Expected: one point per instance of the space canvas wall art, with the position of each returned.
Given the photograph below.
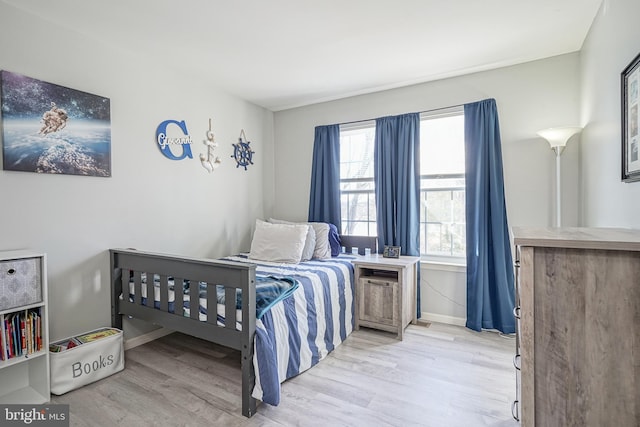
(48, 128)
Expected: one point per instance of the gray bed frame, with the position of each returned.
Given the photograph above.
(126, 263)
(131, 263)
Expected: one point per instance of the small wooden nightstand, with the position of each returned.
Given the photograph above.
(386, 292)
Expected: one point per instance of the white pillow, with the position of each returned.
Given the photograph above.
(278, 242)
(323, 248)
(310, 240)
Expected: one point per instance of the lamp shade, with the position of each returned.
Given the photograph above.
(558, 137)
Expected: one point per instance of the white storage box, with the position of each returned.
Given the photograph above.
(83, 359)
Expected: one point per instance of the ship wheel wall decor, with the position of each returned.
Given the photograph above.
(242, 153)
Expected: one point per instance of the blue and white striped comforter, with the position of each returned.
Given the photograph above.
(300, 330)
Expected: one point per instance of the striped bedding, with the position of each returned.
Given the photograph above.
(297, 325)
(300, 330)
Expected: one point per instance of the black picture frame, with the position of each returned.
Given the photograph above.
(391, 252)
(630, 82)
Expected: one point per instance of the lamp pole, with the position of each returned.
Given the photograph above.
(558, 151)
(558, 138)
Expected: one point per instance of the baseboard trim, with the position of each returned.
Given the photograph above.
(145, 338)
(442, 318)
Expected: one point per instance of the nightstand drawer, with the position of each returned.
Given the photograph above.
(378, 301)
(379, 274)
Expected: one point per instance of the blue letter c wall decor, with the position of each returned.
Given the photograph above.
(164, 142)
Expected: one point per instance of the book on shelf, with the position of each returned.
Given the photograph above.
(7, 334)
(29, 336)
(2, 347)
(22, 334)
(15, 336)
(6, 350)
(31, 331)
(38, 331)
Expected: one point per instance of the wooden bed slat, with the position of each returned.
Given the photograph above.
(194, 299)
(137, 287)
(212, 304)
(164, 293)
(150, 292)
(230, 307)
(178, 296)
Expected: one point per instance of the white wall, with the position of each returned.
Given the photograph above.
(150, 202)
(156, 204)
(443, 293)
(612, 43)
(530, 97)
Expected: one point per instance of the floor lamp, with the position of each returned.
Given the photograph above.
(557, 138)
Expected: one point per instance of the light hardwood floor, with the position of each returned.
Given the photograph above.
(441, 376)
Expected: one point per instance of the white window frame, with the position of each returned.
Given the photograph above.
(437, 258)
(429, 258)
(369, 193)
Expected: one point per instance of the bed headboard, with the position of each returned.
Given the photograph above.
(360, 242)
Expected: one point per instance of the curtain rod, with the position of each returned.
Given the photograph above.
(419, 112)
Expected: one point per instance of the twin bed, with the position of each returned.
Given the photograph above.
(284, 318)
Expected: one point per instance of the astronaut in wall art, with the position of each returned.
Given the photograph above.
(54, 120)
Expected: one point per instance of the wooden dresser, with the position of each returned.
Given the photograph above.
(578, 334)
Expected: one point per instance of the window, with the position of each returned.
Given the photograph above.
(357, 191)
(442, 191)
(442, 187)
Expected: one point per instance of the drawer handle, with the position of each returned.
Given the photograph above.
(516, 312)
(514, 410)
(11, 271)
(516, 362)
(379, 283)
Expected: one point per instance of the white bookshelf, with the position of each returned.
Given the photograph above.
(23, 290)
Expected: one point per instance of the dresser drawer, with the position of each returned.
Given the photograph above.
(20, 283)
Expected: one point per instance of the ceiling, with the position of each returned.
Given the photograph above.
(282, 54)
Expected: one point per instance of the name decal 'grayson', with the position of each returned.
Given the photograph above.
(165, 142)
